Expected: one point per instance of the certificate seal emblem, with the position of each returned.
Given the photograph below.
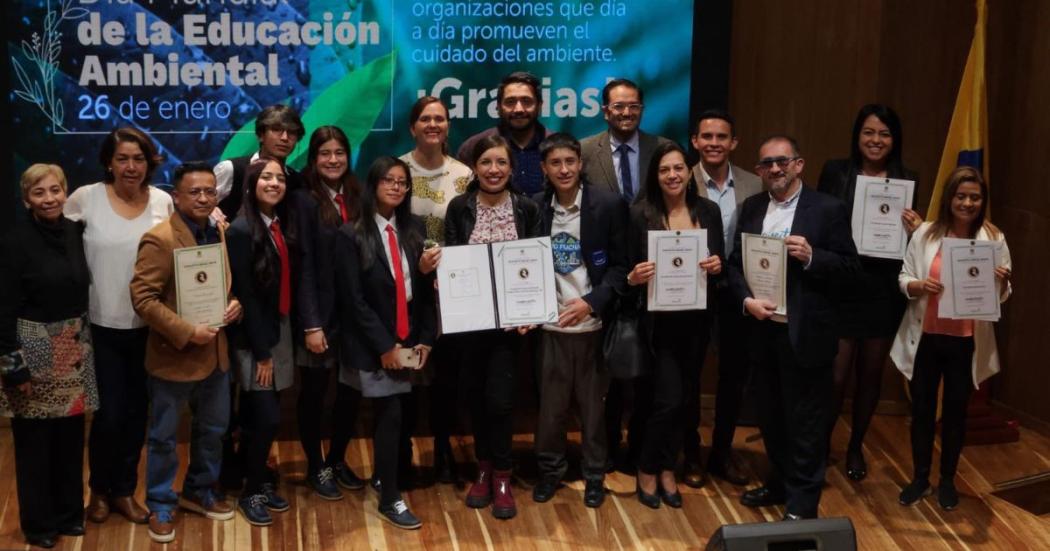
(764, 263)
(884, 208)
(676, 262)
(974, 271)
(523, 273)
(201, 277)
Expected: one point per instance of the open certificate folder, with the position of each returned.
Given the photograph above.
(498, 285)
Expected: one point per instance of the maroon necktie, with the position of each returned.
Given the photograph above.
(342, 207)
(285, 302)
(399, 284)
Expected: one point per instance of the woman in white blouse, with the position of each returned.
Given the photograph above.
(116, 212)
(929, 348)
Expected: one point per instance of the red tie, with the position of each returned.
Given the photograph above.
(285, 302)
(399, 284)
(342, 207)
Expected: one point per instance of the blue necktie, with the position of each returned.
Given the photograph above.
(625, 171)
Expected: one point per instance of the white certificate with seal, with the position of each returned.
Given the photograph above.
(765, 269)
(679, 283)
(200, 284)
(878, 203)
(523, 273)
(968, 276)
(465, 293)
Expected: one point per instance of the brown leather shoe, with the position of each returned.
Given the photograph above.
(693, 475)
(126, 506)
(98, 508)
(729, 469)
(162, 526)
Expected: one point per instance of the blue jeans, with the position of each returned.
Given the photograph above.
(209, 402)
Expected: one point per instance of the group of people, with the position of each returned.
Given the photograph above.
(332, 277)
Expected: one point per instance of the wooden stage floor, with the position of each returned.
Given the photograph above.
(982, 522)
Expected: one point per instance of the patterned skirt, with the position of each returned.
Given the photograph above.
(61, 366)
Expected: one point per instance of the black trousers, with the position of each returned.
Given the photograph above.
(733, 374)
(489, 364)
(49, 467)
(795, 402)
(310, 410)
(679, 342)
(260, 415)
(386, 442)
(948, 358)
(441, 395)
(118, 428)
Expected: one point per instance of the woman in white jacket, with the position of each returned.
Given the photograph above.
(928, 347)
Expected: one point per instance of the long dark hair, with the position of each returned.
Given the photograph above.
(956, 178)
(350, 188)
(366, 233)
(894, 165)
(480, 147)
(652, 197)
(265, 263)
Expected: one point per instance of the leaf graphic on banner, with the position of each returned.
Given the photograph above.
(353, 103)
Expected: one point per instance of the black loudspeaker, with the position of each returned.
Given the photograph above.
(825, 534)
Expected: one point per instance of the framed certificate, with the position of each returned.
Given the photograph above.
(200, 284)
(679, 283)
(765, 269)
(968, 275)
(878, 203)
(499, 285)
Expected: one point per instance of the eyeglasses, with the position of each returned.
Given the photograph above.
(209, 192)
(625, 107)
(399, 183)
(526, 102)
(782, 162)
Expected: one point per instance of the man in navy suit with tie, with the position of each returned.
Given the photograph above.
(791, 355)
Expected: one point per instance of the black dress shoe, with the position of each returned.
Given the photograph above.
(763, 496)
(856, 466)
(693, 475)
(73, 530)
(594, 493)
(728, 469)
(915, 491)
(47, 542)
(671, 499)
(651, 501)
(544, 491)
(947, 496)
(444, 466)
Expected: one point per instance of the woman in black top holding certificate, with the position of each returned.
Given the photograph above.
(870, 306)
(677, 340)
(386, 315)
(490, 212)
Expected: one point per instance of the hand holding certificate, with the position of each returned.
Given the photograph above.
(679, 283)
(878, 204)
(200, 284)
(968, 276)
(765, 269)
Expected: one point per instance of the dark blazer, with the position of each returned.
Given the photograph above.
(598, 166)
(315, 293)
(260, 327)
(367, 309)
(638, 251)
(822, 220)
(838, 178)
(462, 213)
(603, 229)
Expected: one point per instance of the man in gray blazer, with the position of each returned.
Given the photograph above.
(728, 185)
(603, 153)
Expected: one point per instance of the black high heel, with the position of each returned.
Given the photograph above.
(651, 501)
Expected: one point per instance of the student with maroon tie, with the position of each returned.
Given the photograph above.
(263, 245)
(386, 315)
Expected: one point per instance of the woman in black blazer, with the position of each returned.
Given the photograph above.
(677, 340)
(386, 315)
(263, 249)
(870, 307)
(331, 198)
(489, 212)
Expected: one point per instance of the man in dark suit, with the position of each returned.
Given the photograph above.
(603, 153)
(791, 355)
(727, 185)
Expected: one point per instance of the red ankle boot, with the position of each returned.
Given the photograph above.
(480, 493)
(502, 501)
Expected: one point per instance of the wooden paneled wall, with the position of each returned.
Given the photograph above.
(804, 68)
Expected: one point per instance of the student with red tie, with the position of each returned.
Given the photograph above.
(331, 198)
(263, 248)
(386, 315)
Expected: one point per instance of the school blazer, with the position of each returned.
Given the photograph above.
(917, 260)
(315, 293)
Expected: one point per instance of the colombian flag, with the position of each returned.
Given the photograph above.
(967, 142)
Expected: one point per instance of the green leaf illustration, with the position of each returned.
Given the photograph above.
(353, 104)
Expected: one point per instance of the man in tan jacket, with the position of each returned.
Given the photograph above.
(185, 363)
